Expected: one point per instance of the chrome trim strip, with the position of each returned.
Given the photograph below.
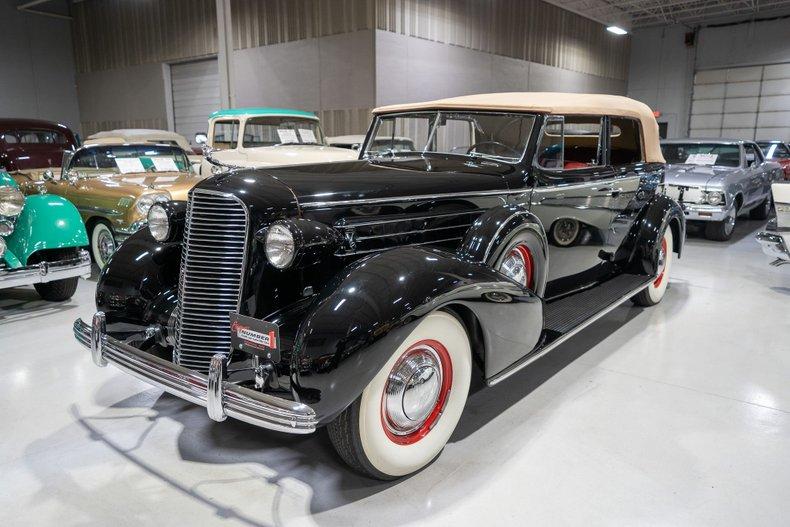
(244, 404)
(345, 223)
(44, 272)
(593, 183)
(532, 357)
(369, 201)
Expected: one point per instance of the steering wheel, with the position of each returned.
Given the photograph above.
(495, 143)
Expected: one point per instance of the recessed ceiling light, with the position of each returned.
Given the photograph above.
(617, 30)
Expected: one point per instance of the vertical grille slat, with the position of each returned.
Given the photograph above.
(215, 245)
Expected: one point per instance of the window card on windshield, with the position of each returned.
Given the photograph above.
(165, 164)
(701, 159)
(287, 135)
(128, 165)
(307, 135)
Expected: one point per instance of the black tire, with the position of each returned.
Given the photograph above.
(721, 231)
(57, 290)
(761, 211)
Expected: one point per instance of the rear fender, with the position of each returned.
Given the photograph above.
(46, 222)
(366, 312)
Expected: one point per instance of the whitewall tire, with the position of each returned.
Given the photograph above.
(103, 244)
(654, 292)
(388, 432)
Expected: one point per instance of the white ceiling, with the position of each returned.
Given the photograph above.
(642, 13)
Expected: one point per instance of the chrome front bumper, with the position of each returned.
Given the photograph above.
(221, 398)
(47, 271)
(774, 245)
(696, 212)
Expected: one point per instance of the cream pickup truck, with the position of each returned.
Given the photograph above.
(262, 137)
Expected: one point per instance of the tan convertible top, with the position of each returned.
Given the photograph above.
(550, 103)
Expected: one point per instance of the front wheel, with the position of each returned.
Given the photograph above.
(761, 211)
(56, 290)
(102, 244)
(406, 414)
(721, 231)
(653, 293)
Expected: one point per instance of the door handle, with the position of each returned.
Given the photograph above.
(611, 191)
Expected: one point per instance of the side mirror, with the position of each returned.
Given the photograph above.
(48, 175)
(201, 138)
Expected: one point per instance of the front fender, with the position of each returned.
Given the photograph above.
(46, 222)
(367, 311)
(644, 240)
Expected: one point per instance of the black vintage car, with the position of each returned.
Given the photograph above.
(363, 295)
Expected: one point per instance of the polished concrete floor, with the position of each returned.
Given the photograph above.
(674, 415)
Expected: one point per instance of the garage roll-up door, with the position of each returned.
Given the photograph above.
(750, 102)
(195, 95)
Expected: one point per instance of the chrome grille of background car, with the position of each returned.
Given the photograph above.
(212, 266)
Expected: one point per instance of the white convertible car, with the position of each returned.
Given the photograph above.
(264, 137)
(776, 238)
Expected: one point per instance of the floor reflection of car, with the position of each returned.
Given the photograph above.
(716, 180)
(28, 147)
(114, 185)
(779, 152)
(265, 137)
(354, 142)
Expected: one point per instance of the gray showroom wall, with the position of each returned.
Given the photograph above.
(662, 67)
(37, 75)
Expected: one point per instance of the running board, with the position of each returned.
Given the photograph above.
(566, 317)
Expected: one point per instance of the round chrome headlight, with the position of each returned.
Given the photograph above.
(158, 222)
(715, 198)
(145, 201)
(280, 246)
(11, 201)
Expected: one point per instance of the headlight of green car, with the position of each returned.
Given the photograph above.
(11, 201)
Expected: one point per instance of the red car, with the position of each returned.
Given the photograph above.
(778, 152)
(29, 145)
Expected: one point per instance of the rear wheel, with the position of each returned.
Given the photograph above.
(721, 231)
(653, 293)
(57, 290)
(102, 243)
(761, 211)
(406, 414)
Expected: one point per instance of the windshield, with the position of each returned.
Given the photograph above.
(502, 136)
(702, 154)
(273, 131)
(128, 159)
(774, 150)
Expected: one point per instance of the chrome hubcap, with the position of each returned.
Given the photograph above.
(413, 390)
(565, 232)
(106, 245)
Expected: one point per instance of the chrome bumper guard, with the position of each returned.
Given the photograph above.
(47, 271)
(221, 398)
(774, 245)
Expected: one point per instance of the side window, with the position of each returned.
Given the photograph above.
(626, 142)
(9, 138)
(226, 135)
(572, 144)
(752, 155)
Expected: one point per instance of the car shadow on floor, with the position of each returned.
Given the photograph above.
(743, 229)
(311, 459)
(19, 303)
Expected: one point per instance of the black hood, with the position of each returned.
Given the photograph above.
(372, 179)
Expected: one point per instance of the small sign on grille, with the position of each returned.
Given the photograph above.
(254, 336)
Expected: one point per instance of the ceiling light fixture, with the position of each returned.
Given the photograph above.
(617, 30)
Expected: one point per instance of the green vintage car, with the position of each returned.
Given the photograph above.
(41, 242)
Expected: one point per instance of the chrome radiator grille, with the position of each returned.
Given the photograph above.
(212, 266)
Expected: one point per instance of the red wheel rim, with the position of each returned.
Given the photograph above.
(660, 277)
(427, 425)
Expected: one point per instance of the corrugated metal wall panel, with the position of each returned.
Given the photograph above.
(525, 29)
(263, 22)
(111, 34)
